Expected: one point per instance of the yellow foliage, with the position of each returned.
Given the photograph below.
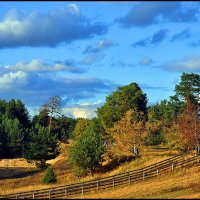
(127, 133)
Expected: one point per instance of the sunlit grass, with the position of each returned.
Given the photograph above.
(65, 174)
(184, 183)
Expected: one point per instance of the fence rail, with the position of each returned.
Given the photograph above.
(126, 178)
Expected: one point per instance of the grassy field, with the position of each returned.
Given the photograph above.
(65, 176)
(184, 183)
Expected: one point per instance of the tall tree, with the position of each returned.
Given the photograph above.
(15, 134)
(3, 143)
(190, 127)
(119, 102)
(16, 109)
(189, 88)
(53, 107)
(42, 145)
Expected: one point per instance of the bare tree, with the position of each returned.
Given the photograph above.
(53, 108)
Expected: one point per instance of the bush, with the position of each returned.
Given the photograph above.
(49, 176)
(155, 139)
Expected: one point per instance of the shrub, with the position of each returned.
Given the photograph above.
(49, 176)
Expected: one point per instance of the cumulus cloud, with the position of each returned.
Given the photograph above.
(82, 110)
(148, 13)
(35, 88)
(187, 64)
(99, 46)
(182, 35)
(155, 39)
(34, 29)
(10, 80)
(41, 66)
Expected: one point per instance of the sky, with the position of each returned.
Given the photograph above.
(83, 51)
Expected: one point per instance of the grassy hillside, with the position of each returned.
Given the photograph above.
(65, 175)
(184, 183)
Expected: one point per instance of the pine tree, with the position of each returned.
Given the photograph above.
(49, 176)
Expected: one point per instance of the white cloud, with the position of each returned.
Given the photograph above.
(187, 64)
(83, 110)
(79, 112)
(35, 88)
(11, 80)
(99, 46)
(40, 66)
(19, 28)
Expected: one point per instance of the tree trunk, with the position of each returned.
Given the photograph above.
(50, 123)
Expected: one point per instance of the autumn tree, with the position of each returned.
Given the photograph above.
(173, 136)
(190, 126)
(81, 125)
(128, 134)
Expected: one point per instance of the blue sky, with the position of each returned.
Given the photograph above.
(82, 51)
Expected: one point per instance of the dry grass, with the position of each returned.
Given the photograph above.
(181, 184)
(65, 175)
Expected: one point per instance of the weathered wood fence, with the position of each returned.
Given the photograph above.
(126, 178)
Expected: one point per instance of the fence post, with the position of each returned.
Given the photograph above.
(98, 185)
(66, 193)
(49, 194)
(129, 178)
(33, 196)
(172, 167)
(113, 181)
(143, 175)
(82, 192)
(157, 172)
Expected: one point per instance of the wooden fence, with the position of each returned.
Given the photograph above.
(126, 178)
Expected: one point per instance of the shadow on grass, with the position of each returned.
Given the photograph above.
(115, 163)
(19, 172)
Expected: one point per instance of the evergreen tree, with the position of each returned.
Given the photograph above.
(119, 102)
(15, 133)
(49, 176)
(42, 145)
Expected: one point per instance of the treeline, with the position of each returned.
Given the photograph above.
(37, 138)
(123, 126)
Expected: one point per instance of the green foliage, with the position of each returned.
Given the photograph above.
(49, 176)
(15, 134)
(16, 109)
(86, 153)
(42, 145)
(119, 102)
(155, 139)
(81, 126)
(3, 143)
(189, 88)
(2, 107)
